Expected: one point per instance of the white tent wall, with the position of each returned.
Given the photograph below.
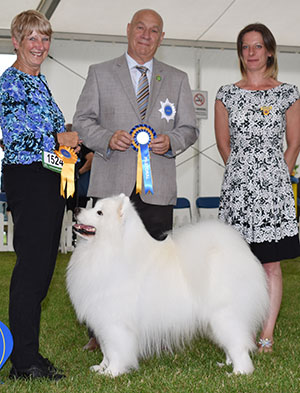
(207, 69)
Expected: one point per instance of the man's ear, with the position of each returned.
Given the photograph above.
(161, 38)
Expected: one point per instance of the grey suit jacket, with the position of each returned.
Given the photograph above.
(108, 103)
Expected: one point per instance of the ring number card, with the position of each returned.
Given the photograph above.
(52, 161)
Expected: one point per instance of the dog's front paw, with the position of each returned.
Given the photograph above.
(114, 369)
(105, 371)
(96, 368)
(99, 368)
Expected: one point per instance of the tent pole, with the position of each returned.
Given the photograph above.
(197, 159)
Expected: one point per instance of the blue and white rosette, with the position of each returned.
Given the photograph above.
(6, 344)
(142, 136)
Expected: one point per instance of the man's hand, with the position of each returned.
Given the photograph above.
(120, 140)
(160, 144)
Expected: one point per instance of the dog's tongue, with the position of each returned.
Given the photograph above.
(84, 229)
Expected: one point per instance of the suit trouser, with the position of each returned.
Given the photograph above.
(157, 219)
(33, 195)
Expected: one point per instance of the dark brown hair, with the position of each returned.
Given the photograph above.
(270, 44)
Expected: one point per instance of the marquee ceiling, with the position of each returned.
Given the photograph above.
(186, 22)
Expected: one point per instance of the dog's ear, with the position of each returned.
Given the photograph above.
(124, 203)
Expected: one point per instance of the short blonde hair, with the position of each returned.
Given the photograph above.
(270, 44)
(26, 22)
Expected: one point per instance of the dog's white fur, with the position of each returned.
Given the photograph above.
(139, 295)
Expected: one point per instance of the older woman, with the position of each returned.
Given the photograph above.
(32, 125)
(251, 118)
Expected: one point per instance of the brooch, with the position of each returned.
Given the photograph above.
(167, 110)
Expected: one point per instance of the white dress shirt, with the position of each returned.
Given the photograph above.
(135, 73)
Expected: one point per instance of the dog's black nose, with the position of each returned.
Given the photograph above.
(76, 211)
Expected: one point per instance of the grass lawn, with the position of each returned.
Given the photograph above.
(190, 371)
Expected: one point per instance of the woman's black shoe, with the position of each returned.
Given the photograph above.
(50, 366)
(36, 371)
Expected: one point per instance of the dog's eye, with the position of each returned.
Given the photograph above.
(99, 212)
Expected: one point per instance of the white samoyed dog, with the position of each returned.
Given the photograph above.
(140, 295)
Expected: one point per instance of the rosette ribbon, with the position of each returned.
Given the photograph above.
(6, 344)
(142, 136)
(67, 175)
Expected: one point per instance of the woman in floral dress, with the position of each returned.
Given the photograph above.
(31, 124)
(252, 117)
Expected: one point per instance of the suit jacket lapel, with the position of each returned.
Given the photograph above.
(157, 81)
(156, 84)
(126, 82)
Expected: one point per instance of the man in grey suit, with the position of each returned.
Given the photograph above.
(107, 110)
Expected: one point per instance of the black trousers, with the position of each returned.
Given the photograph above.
(33, 194)
(157, 219)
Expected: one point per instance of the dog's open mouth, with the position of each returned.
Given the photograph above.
(84, 230)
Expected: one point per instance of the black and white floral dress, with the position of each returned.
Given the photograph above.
(257, 197)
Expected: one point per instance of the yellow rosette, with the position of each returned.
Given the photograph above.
(295, 181)
(266, 110)
(67, 175)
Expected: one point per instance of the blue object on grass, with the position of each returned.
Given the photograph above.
(6, 344)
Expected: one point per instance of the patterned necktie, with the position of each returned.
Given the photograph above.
(143, 91)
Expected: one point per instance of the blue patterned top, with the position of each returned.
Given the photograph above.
(29, 117)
